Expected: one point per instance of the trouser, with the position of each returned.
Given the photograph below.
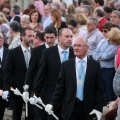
(3, 104)
(107, 76)
(17, 109)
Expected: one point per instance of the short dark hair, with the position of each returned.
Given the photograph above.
(15, 26)
(73, 23)
(108, 9)
(85, 2)
(40, 35)
(16, 9)
(107, 26)
(101, 2)
(34, 11)
(51, 29)
(23, 31)
(114, 25)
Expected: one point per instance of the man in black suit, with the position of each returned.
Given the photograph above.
(15, 70)
(50, 37)
(79, 85)
(3, 54)
(50, 64)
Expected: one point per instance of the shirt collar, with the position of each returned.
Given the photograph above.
(60, 49)
(1, 49)
(78, 59)
(46, 45)
(23, 48)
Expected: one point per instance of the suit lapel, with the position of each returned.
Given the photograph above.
(88, 69)
(57, 56)
(21, 56)
(73, 71)
(71, 54)
(4, 56)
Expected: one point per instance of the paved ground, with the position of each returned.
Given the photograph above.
(8, 115)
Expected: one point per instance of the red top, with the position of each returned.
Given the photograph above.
(101, 22)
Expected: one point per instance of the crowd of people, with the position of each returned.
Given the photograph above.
(68, 55)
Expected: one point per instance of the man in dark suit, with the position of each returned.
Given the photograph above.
(50, 37)
(79, 85)
(15, 70)
(3, 54)
(50, 64)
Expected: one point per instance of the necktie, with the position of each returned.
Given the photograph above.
(26, 57)
(80, 82)
(65, 56)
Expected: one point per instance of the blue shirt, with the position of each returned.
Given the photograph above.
(105, 54)
(93, 40)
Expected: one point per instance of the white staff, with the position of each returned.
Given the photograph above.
(26, 94)
(17, 92)
(39, 100)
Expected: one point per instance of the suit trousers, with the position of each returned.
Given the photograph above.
(78, 112)
(3, 104)
(40, 114)
(17, 109)
(107, 76)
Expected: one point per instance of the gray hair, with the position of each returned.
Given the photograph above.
(117, 12)
(15, 26)
(26, 17)
(95, 21)
(99, 11)
(87, 8)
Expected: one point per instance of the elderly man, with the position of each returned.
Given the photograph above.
(99, 14)
(79, 85)
(25, 21)
(115, 17)
(94, 35)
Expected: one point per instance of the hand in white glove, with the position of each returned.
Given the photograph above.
(25, 96)
(98, 114)
(1, 92)
(32, 101)
(49, 108)
(5, 95)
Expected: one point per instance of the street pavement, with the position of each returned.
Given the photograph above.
(8, 115)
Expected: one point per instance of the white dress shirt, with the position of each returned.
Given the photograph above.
(1, 53)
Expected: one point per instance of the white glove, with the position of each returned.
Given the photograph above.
(32, 101)
(25, 96)
(1, 92)
(98, 114)
(49, 108)
(5, 95)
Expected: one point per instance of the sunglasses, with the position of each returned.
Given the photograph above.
(6, 12)
(105, 31)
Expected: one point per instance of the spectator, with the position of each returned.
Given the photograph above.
(35, 19)
(15, 33)
(57, 21)
(94, 36)
(99, 14)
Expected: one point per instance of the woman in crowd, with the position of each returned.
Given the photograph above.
(73, 25)
(35, 19)
(4, 27)
(57, 20)
(81, 20)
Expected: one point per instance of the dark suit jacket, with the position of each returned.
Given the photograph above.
(33, 65)
(49, 70)
(15, 69)
(5, 51)
(67, 86)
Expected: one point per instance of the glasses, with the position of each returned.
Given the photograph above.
(105, 31)
(79, 45)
